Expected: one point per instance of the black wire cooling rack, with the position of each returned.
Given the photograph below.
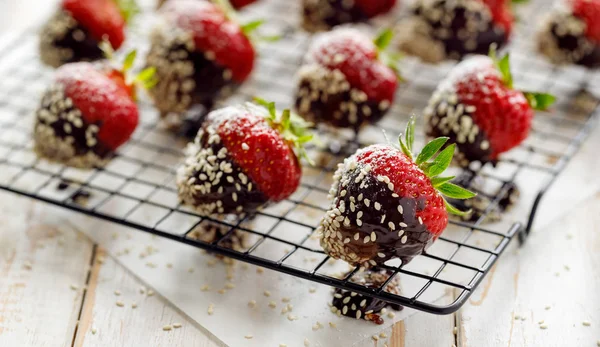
(137, 188)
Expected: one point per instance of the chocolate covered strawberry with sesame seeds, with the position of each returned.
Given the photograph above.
(439, 30)
(87, 113)
(477, 107)
(348, 80)
(76, 30)
(243, 158)
(570, 34)
(388, 204)
(322, 15)
(201, 55)
(354, 305)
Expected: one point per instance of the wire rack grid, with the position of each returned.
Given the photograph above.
(137, 188)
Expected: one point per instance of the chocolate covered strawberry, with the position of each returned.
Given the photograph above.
(477, 107)
(237, 4)
(388, 203)
(242, 159)
(75, 32)
(348, 80)
(200, 55)
(87, 113)
(571, 34)
(450, 29)
(325, 14)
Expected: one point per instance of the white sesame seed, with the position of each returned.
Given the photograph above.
(420, 220)
(267, 293)
(176, 325)
(373, 236)
(248, 337)
(543, 326)
(306, 342)
(94, 330)
(358, 314)
(392, 225)
(391, 315)
(375, 337)
(73, 287)
(345, 309)
(120, 303)
(400, 233)
(400, 209)
(245, 146)
(586, 323)
(134, 305)
(167, 328)
(377, 206)
(117, 293)
(404, 239)
(548, 307)
(346, 300)
(252, 303)
(332, 324)
(211, 309)
(403, 225)
(381, 255)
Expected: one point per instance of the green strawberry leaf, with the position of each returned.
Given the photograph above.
(129, 60)
(129, 9)
(383, 40)
(455, 192)
(293, 128)
(147, 78)
(539, 101)
(519, 1)
(404, 148)
(410, 133)
(438, 181)
(250, 27)
(453, 210)
(503, 65)
(431, 149)
(442, 161)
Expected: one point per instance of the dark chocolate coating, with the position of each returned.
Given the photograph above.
(62, 135)
(63, 40)
(232, 192)
(371, 278)
(573, 48)
(462, 29)
(479, 204)
(210, 232)
(189, 81)
(329, 111)
(322, 15)
(469, 148)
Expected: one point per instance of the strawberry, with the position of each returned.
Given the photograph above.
(355, 305)
(571, 34)
(200, 54)
(450, 29)
(348, 80)
(237, 4)
(242, 159)
(87, 114)
(322, 15)
(477, 107)
(77, 29)
(388, 204)
(589, 12)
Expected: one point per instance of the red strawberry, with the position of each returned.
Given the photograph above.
(241, 3)
(322, 15)
(215, 35)
(502, 12)
(374, 8)
(102, 18)
(198, 43)
(242, 159)
(87, 114)
(347, 80)
(477, 107)
(387, 204)
(589, 12)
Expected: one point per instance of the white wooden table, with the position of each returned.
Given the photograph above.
(546, 293)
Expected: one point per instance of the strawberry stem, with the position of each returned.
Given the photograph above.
(390, 59)
(129, 9)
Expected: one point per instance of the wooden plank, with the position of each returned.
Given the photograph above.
(554, 278)
(421, 329)
(43, 269)
(105, 323)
